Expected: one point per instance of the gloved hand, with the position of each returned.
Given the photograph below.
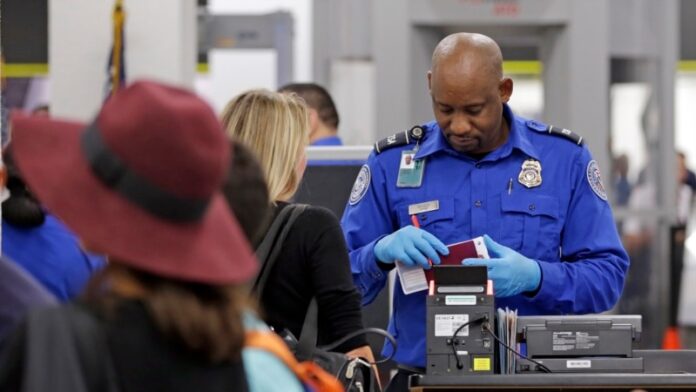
(411, 246)
(511, 272)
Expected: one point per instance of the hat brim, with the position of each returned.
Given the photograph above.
(212, 250)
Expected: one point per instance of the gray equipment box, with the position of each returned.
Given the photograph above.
(459, 295)
(595, 343)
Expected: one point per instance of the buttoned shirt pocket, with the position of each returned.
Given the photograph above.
(530, 224)
(438, 222)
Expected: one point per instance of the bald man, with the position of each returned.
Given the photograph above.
(532, 190)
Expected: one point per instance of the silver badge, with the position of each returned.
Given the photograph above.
(594, 177)
(362, 183)
(530, 175)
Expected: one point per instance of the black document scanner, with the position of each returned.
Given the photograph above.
(580, 344)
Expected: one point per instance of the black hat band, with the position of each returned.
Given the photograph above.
(115, 174)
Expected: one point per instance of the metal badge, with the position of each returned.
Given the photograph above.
(530, 175)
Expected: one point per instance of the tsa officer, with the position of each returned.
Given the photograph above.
(532, 190)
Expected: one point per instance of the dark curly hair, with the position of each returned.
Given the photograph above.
(21, 208)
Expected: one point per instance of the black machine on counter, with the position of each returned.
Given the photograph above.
(580, 344)
(460, 303)
(461, 321)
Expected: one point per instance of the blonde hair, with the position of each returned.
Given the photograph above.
(276, 127)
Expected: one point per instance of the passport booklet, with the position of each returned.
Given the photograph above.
(414, 279)
(474, 248)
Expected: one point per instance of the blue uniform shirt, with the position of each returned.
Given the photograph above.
(51, 253)
(328, 141)
(565, 223)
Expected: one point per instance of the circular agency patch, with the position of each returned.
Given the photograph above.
(594, 177)
(362, 183)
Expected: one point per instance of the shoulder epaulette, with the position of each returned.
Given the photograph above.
(552, 130)
(400, 139)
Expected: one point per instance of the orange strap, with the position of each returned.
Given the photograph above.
(308, 372)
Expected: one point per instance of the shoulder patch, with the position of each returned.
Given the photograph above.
(557, 131)
(400, 139)
(594, 178)
(360, 186)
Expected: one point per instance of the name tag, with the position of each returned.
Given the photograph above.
(432, 205)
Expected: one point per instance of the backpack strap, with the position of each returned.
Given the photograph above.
(309, 373)
(269, 248)
(307, 342)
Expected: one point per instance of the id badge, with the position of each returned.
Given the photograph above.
(410, 170)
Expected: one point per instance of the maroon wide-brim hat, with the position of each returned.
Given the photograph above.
(141, 183)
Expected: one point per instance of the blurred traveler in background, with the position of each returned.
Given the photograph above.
(323, 116)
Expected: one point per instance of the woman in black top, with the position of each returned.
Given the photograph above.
(314, 260)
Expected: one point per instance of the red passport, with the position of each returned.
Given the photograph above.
(474, 248)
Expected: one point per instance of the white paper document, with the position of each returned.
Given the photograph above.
(412, 278)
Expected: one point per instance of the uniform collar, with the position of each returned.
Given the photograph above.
(435, 141)
(328, 141)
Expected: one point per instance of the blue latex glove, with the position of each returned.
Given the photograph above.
(411, 246)
(511, 272)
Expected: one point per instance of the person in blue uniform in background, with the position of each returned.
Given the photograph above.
(323, 116)
(40, 243)
(533, 190)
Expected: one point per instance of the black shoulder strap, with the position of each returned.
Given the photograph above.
(556, 131)
(400, 139)
(269, 248)
(566, 133)
(307, 342)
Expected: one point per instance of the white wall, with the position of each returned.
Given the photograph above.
(231, 72)
(685, 137)
(628, 102)
(234, 71)
(160, 40)
(301, 11)
(352, 88)
(527, 98)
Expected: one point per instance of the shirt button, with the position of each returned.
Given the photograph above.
(478, 165)
(423, 217)
(477, 203)
(532, 207)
